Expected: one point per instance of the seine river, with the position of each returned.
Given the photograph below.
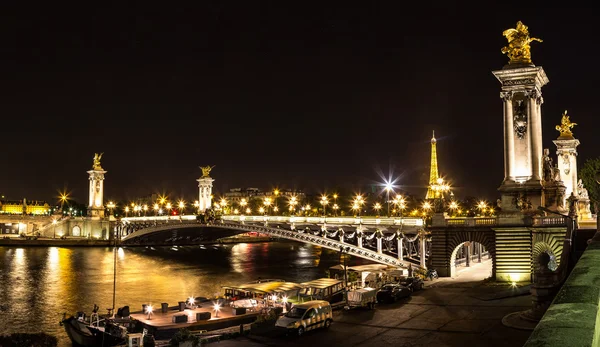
(38, 284)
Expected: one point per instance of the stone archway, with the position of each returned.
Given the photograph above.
(445, 241)
(453, 256)
(76, 231)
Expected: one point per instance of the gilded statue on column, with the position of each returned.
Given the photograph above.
(206, 170)
(96, 165)
(518, 49)
(565, 126)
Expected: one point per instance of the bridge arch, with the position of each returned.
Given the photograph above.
(140, 237)
(446, 242)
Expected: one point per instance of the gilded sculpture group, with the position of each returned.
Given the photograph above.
(518, 49)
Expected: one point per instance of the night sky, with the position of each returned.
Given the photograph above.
(293, 97)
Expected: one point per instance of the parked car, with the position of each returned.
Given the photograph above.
(306, 316)
(413, 283)
(392, 292)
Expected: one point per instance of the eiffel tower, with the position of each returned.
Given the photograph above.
(433, 173)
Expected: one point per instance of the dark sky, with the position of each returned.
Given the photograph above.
(296, 97)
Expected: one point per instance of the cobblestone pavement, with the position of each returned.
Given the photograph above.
(448, 312)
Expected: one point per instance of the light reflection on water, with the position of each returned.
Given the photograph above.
(38, 284)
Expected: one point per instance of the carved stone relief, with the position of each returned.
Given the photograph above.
(520, 118)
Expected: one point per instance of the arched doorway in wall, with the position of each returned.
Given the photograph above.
(471, 259)
(76, 231)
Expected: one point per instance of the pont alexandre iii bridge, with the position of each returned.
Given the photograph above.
(396, 241)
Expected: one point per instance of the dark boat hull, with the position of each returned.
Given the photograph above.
(83, 335)
(78, 332)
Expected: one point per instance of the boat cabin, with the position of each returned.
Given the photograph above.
(327, 289)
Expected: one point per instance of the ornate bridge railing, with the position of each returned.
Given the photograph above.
(375, 246)
(471, 221)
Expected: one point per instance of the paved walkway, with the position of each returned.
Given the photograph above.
(446, 313)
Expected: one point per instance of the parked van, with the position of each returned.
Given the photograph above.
(305, 317)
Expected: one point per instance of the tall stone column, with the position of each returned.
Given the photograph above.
(566, 153)
(96, 191)
(536, 136)
(205, 185)
(521, 94)
(509, 136)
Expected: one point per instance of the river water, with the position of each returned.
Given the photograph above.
(38, 284)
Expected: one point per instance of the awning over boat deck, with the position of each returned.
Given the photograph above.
(321, 283)
(363, 268)
(267, 287)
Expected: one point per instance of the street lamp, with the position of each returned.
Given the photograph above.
(293, 202)
(335, 196)
(243, 204)
(111, 205)
(342, 251)
(388, 189)
(267, 202)
(181, 205)
(223, 204)
(276, 193)
(156, 207)
(377, 207)
(324, 201)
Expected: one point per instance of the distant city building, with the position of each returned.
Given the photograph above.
(24, 207)
(235, 195)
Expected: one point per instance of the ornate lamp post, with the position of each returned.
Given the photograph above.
(335, 196)
(293, 202)
(243, 204)
(276, 194)
(324, 201)
(388, 189)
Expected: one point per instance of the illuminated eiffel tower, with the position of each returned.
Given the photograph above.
(433, 173)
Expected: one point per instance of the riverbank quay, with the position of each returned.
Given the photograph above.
(50, 242)
(446, 313)
(85, 242)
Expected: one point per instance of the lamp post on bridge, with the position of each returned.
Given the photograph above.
(388, 189)
(342, 251)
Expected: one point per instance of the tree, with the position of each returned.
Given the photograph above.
(587, 174)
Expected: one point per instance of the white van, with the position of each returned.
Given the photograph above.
(306, 316)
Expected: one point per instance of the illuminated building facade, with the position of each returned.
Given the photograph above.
(24, 207)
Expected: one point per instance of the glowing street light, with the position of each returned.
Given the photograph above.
(169, 207)
(181, 205)
(276, 193)
(267, 202)
(377, 207)
(388, 189)
(248, 211)
(111, 205)
(126, 210)
(324, 202)
(243, 203)
(145, 208)
(156, 207)
(335, 196)
(223, 204)
(293, 202)
(453, 206)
